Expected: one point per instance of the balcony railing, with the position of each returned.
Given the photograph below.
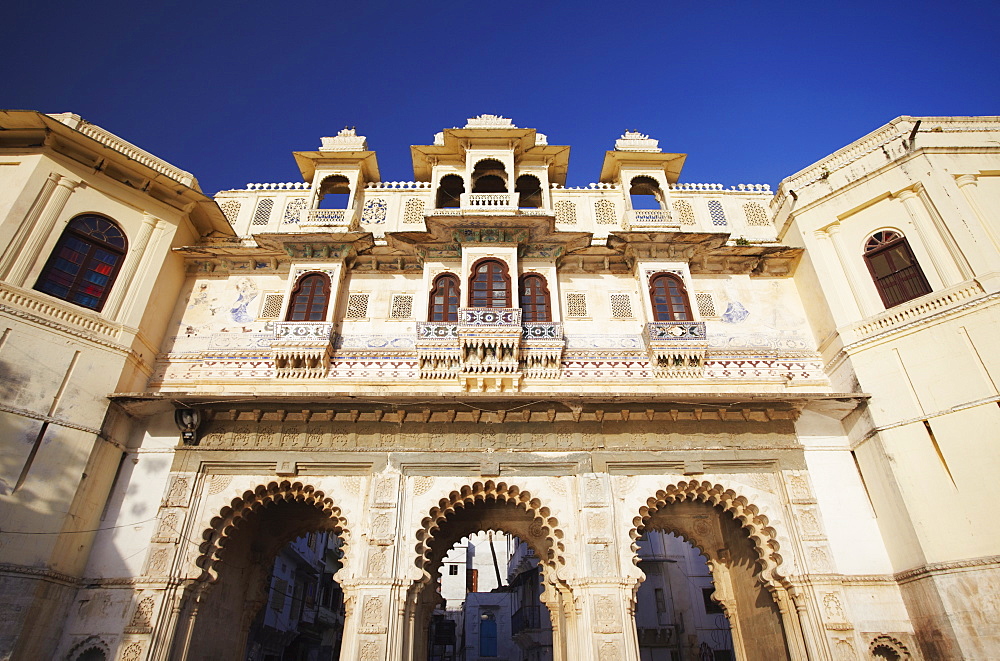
(528, 618)
(659, 218)
(490, 201)
(489, 316)
(324, 217)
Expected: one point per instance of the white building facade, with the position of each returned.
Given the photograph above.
(800, 384)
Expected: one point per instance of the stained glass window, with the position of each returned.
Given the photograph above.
(85, 262)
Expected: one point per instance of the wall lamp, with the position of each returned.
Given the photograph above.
(188, 421)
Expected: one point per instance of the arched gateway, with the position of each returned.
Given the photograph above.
(235, 557)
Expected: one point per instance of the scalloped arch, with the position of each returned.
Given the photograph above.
(544, 534)
(87, 644)
(228, 521)
(890, 643)
(761, 534)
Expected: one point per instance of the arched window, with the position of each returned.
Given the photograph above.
(449, 194)
(334, 192)
(489, 286)
(534, 299)
(85, 262)
(529, 191)
(444, 299)
(894, 269)
(489, 176)
(669, 297)
(645, 193)
(310, 298)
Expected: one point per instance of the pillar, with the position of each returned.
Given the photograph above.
(864, 309)
(136, 255)
(28, 256)
(27, 226)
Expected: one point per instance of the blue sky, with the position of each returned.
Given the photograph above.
(751, 91)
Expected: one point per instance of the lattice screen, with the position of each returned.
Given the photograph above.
(374, 211)
(576, 304)
(294, 209)
(706, 304)
(684, 212)
(565, 212)
(231, 208)
(604, 212)
(271, 306)
(756, 214)
(621, 306)
(402, 306)
(357, 306)
(262, 214)
(717, 214)
(413, 213)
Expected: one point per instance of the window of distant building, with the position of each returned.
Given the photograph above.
(310, 298)
(535, 305)
(894, 269)
(444, 299)
(487, 634)
(85, 262)
(489, 285)
(669, 298)
(452, 570)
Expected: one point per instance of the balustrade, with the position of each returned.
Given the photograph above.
(325, 217)
(489, 201)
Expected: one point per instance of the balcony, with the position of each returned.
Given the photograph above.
(676, 348)
(529, 619)
(302, 349)
(639, 219)
(488, 349)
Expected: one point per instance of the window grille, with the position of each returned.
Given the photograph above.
(263, 212)
(716, 213)
(373, 213)
(271, 306)
(621, 306)
(604, 212)
(706, 304)
(402, 306)
(357, 306)
(231, 209)
(684, 212)
(278, 594)
(576, 304)
(756, 215)
(894, 268)
(413, 212)
(294, 209)
(565, 212)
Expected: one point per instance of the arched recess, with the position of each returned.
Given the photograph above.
(886, 648)
(529, 191)
(644, 193)
(449, 192)
(489, 176)
(743, 556)
(334, 192)
(91, 648)
(235, 557)
(486, 506)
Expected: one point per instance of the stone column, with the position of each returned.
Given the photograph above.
(945, 270)
(850, 273)
(968, 184)
(27, 226)
(27, 257)
(371, 614)
(136, 254)
(829, 275)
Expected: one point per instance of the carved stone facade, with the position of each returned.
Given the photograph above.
(722, 368)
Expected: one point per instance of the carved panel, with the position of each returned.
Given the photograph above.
(177, 494)
(372, 619)
(607, 615)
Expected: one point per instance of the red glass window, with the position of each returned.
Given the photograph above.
(489, 285)
(535, 299)
(444, 299)
(85, 262)
(669, 297)
(894, 269)
(310, 298)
